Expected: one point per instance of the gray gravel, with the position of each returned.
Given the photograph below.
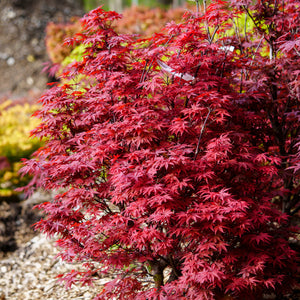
(30, 273)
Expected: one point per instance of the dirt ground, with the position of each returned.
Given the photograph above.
(22, 41)
(29, 265)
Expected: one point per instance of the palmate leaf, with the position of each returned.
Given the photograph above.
(177, 178)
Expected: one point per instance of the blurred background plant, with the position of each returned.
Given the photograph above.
(55, 36)
(119, 5)
(145, 22)
(15, 126)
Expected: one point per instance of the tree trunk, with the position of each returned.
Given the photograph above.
(116, 5)
(157, 272)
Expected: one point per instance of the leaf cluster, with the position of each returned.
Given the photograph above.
(165, 156)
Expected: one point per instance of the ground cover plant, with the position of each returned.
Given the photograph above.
(178, 155)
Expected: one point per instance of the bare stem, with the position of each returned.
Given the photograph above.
(197, 6)
(257, 49)
(142, 77)
(214, 33)
(245, 26)
(201, 132)
(204, 5)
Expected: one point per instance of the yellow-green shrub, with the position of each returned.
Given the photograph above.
(15, 126)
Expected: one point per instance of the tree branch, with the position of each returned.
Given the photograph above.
(201, 132)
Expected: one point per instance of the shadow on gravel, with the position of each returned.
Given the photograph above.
(16, 220)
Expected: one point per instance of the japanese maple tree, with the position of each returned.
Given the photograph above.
(173, 152)
(269, 90)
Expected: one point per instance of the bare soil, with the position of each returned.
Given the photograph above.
(22, 41)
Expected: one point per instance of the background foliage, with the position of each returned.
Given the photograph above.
(15, 126)
(140, 20)
(121, 4)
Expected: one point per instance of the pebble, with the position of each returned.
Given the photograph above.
(29, 80)
(10, 61)
(11, 14)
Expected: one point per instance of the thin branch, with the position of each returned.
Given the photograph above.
(98, 200)
(197, 6)
(241, 83)
(245, 26)
(204, 5)
(237, 34)
(205, 22)
(174, 268)
(201, 132)
(295, 211)
(214, 33)
(186, 101)
(142, 77)
(148, 70)
(256, 49)
(275, 7)
(208, 32)
(298, 53)
(255, 23)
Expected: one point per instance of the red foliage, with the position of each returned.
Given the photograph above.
(166, 174)
(4, 163)
(146, 21)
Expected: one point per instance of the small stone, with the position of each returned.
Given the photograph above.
(29, 81)
(11, 14)
(34, 42)
(87, 295)
(10, 61)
